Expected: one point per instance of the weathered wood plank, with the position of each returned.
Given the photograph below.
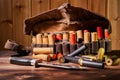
(98, 6)
(21, 11)
(5, 21)
(114, 16)
(57, 3)
(39, 6)
(79, 3)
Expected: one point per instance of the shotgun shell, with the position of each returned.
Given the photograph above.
(43, 50)
(66, 59)
(112, 60)
(92, 64)
(80, 49)
(108, 44)
(43, 57)
(100, 32)
(59, 36)
(65, 36)
(51, 39)
(58, 48)
(39, 39)
(66, 48)
(108, 62)
(87, 42)
(86, 37)
(72, 38)
(79, 36)
(94, 43)
(94, 37)
(106, 34)
(45, 41)
(100, 54)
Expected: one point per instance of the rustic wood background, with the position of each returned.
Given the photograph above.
(14, 12)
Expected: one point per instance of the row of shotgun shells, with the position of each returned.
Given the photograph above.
(49, 46)
(72, 36)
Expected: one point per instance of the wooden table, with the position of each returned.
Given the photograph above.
(16, 72)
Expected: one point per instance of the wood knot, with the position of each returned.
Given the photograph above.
(19, 6)
(40, 1)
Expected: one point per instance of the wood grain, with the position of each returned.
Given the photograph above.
(57, 3)
(21, 11)
(39, 6)
(114, 17)
(6, 21)
(79, 3)
(98, 6)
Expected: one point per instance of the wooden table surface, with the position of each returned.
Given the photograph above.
(16, 72)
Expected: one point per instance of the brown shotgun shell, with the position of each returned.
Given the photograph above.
(86, 37)
(43, 57)
(79, 34)
(39, 39)
(65, 36)
(43, 50)
(51, 39)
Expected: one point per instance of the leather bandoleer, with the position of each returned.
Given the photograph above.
(65, 18)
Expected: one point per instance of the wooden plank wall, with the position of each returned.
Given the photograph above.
(6, 21)
(21, 11)
(14, 12)
(114, 16)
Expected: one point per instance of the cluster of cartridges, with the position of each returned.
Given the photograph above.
(83, 47)
(71, 45)
(67, 42)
